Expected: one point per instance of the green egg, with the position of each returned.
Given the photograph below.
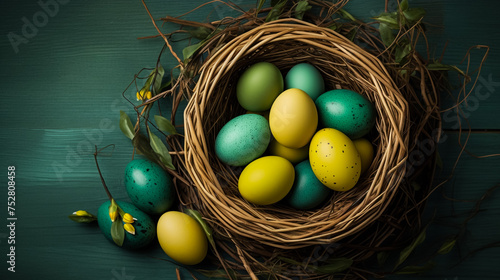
(149, 186)
(347, 111)
(307, 191)
(306, 77)
(258, 86)
(145, 228)
(243, 139)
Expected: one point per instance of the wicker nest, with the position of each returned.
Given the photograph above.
(277, 239)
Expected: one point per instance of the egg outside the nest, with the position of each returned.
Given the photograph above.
(149, 187)
(145, 229)
(182, 238)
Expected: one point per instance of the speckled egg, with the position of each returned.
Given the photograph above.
(145, 229)
(347, 111)
(242, 139)
(306, 77)
(149, 186)
(307, 191)
(334, 159)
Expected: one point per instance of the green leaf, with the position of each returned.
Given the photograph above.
(413, 15)
(335, 266)
(161, 150)
(206, 228)
(447, 246)
(405, 253)
(301, 8)
(438, 66)
(346, 15)
(165, 125)
(416, 186)
(117, 231)
(165, 85)
(402, 52)
(157, 79)
(390, 19)
(260, 4)
(335, 26)
(189, 51)
(276, 11)
(386, 34)
(352, 34)
(403, 6)
(141, 144)
(126, 125)
(382, 257)
(415, 269)
(82, 219)
(200, 32)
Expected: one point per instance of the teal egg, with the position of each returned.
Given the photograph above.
(242, 139)
(347, 111)
(306, 77)
(145, 228)
(258, 86)
(307, 191)
(149, 186)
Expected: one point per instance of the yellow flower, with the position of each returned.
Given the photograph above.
(82, 213)
(113, 215)
(129, 228)
(143, 94)
(127, 218)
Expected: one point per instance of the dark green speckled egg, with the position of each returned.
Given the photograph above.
(145, 228)
(347, 111)
(149, 186)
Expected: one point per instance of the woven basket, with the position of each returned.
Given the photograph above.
(251, 234)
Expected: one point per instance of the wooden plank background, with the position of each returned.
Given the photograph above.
(61, 94)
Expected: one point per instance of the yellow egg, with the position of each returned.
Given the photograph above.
(292, 155)
(293, 118)
(182, 238)
(334, 159)
(365, 150)
(266, 180)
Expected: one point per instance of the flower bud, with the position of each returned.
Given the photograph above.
(129, 228)
(127, 218)
(82, 213)
(143, 94)
(113, 215)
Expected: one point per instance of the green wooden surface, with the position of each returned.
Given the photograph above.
(61, 94)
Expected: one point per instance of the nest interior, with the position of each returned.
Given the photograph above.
(343, 65)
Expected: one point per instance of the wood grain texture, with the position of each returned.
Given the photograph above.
(61, 95)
